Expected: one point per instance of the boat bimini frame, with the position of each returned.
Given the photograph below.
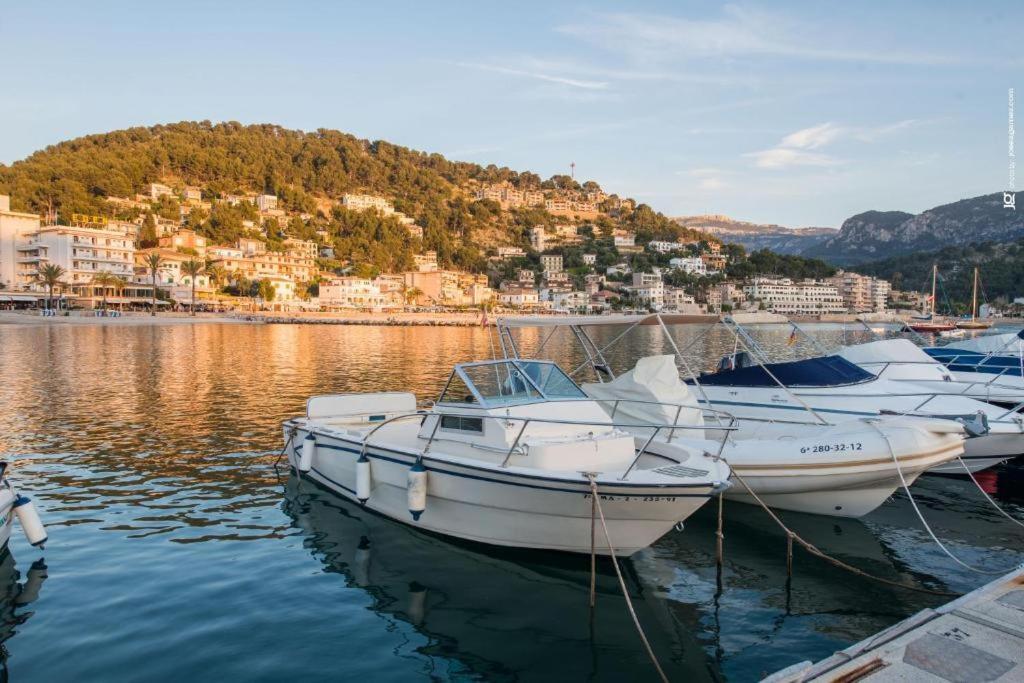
(742, 339)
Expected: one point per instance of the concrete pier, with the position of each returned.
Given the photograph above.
(977, 637)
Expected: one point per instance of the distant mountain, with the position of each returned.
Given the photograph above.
(875, 235)
(756, 236)
(1001, 269)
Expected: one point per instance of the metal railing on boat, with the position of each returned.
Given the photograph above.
(422, 415)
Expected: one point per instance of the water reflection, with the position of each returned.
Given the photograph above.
(501, 615)
(149, 451)
(15, 595)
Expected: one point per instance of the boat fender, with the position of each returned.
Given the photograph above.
(363, 479)
(28, 517)
(417, 489)
(307, 453)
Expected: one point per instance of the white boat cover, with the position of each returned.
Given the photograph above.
(654, 379)
(886, 351)
(1008, 343)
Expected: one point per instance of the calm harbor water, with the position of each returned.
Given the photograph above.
(177, 552)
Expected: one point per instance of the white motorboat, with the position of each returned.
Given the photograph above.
(845, 470)
(999, 356)
(901, 362)
(505, 456)
(842, 466)
(990, 377)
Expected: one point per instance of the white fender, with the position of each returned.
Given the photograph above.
(28, 517)
(363, 478)
(306, 455)
(417, 490)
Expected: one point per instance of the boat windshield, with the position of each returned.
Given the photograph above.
(508, 382)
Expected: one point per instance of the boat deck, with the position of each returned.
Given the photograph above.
(977, 637)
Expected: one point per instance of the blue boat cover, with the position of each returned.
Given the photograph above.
(825, 371)
(973, 361)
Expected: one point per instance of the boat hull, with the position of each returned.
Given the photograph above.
(974, 464)
(503, 507)
(841, 470)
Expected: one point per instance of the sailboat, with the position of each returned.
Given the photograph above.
(974, 323)
(928, 323)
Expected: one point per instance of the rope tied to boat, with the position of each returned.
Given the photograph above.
(817, 552)
(596, 505)
(920, 516)
(292, 431)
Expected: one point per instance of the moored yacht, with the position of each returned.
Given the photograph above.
(899, 361)
(506, 456)
(835, 461)
(846, 469)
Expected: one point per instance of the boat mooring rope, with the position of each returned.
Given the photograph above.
(1003, 512)
(814, 550)
(618, 572)
(913, 504)
(287, 444)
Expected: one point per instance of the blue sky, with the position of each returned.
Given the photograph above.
(795, 113)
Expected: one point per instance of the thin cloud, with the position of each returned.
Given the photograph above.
(537, 75)
(782, 157)
(739, 32)
(795, 148)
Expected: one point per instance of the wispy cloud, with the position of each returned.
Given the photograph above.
(537, 75)
(783, 157)
(738, 32)
(795, 148)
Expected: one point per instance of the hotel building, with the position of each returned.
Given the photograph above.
(808, 297)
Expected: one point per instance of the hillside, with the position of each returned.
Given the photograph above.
(873, 234)
(756, 236)
(1001, 272)
(309, 172)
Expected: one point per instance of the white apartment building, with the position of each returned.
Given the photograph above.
(569, 301)
(808, 297)
(525, 275)
(81, 252)
(364, 202)
(510, 252)
(157, 190)
(170, 275)
(266, 202)
(861, 293)
(663, 247)
(690, 264)
(519, 296)
(14, 226)
(552, 263)
(538, 238)
(626, 240)
(192, 194)
(677, 300)
(351, 292)
(590, 259)
(425, 262)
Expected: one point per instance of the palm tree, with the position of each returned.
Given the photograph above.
(192, 268)
(412, 294)
(120, 284)
(153, 262)
(50, 275)
(103, 281)
(215, 273)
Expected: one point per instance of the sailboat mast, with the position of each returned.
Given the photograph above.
(935, 278)
(974, 297)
